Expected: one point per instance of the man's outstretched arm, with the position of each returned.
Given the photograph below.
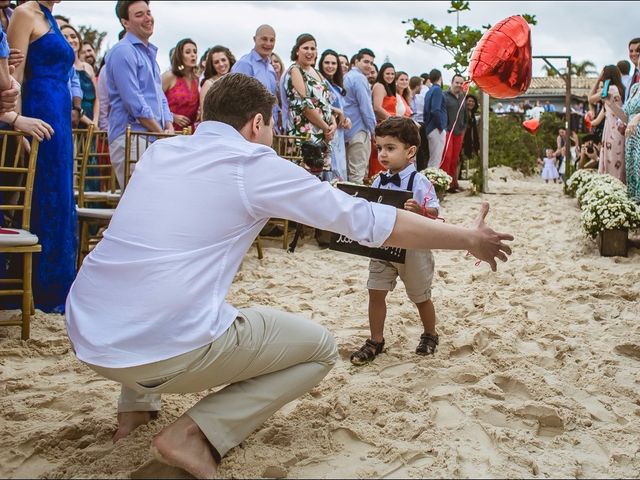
(418, 232)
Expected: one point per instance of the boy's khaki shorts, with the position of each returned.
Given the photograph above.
(416, 274)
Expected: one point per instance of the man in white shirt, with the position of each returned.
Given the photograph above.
(147, 308)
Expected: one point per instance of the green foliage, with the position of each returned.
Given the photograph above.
(93, 36)
(511, 145)
(458, 42)
(583, 69)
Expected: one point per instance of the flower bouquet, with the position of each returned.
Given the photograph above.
(440, 179)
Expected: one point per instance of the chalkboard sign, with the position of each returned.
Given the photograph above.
(395, 198)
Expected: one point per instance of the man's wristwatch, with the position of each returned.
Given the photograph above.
(79, 110)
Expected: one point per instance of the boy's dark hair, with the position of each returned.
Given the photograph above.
(235, 99)
(624, 66)
(435, 75)
(62, 17)
(364, 51)
(402, 128)
(634, 41)
(122, 8)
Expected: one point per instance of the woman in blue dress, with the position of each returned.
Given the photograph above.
(45, 95)
(332, 72)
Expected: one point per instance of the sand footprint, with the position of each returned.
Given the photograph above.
(156, 469)
(512, 387)
(631, 350)
(549, 422)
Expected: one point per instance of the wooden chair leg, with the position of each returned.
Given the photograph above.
(83, 247)
(26, 296)
(285, 234)
(259, 247)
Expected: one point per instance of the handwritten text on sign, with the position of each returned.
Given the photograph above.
(395, 198)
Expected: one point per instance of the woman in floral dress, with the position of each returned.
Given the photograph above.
(632, 144)
(612, 152)
(308, 95)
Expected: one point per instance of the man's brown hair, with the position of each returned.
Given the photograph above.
(402, 128)
(235, 99)
(122, 8)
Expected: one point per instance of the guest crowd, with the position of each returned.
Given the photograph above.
(329, 98)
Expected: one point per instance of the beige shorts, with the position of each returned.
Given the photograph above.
(416, 274)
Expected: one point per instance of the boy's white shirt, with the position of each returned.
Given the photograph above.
(422, 190)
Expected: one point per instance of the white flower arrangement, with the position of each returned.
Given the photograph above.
(599, 181)
(440, 179)
(578, 178)
(606, 206)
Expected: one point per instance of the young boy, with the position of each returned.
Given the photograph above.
(398, 139)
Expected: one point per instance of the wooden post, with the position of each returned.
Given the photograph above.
(485, 143)
(567, 157)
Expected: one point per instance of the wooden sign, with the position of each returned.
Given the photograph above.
(395, 198)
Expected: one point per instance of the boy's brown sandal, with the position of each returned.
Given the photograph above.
(367, 352)
(427, 345)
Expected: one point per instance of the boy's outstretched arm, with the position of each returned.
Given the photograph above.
(417, 232)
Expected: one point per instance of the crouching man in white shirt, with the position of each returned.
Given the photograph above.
(147, 308)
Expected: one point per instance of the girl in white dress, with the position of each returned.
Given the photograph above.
(549, 170)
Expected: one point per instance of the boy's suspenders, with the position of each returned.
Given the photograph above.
(410, 184)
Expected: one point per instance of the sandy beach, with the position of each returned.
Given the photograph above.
(537, 373)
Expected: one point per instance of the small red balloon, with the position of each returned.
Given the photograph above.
(501, 62)
(531, 125)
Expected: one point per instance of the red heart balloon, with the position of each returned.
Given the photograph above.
(531, 125)
(501, 62)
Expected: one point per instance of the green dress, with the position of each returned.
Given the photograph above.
(632, 146)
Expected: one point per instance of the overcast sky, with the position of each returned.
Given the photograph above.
(596, 31)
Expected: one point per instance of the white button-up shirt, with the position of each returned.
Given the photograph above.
(423, 190)
(154, 287)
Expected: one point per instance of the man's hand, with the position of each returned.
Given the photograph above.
(168, 128)
(9, 98)
(16, 57)
(488, 244)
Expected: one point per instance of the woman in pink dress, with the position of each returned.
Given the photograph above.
(612, 151)
(180, 85)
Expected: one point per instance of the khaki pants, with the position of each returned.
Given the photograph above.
(267, 358)
(358, 152)
(117, 156)
(437, 140)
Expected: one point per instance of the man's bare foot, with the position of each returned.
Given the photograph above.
(182, 444)
(129, 421)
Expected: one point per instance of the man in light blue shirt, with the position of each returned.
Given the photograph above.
(257, 63)
(133, 82)
(359, 108)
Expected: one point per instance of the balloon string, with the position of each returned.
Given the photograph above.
(465, 89)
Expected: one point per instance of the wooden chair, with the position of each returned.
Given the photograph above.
(16, 189)
(99, 176)
(289, 148)
(97, 194)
